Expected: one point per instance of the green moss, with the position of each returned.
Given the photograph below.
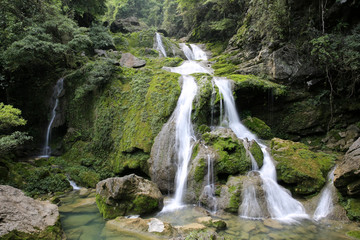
(224, 69)
(232, 155)
(200, 170)
(107, 211)
(202, 102)
(257, 153)
(259, 127)
(352, 208)
(216, 47)
(354, 234)
(254, 82)
(144, 204)
(303, 170)
(234, 185)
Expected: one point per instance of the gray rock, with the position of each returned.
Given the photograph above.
(125, 25)
(130, 61)
(24, 214)
(162, 161)
(127, 195)
(347, 173)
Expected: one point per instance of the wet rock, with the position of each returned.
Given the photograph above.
(342, 139)
(125, 25)
(347, 172)
(127, 195)
(163, 157)
(301, 170)
(139, 225)
(24, 214)
(130, 61)
(198, 178)
(218, 224)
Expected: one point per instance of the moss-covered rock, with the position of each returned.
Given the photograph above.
(352, 208)
(301, 170)
(257, 153)
(258, 126)
(127, 195)
(232, 158)
(230, 195)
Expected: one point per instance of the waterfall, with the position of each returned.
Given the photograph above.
(73, 185)
(280, 204)
(56, 94)
(325, 204)
(160, 46)
(184, 128)
(209, 189)
(199, 54)
(250, 207)
(187, 51)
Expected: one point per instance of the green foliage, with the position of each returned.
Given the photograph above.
(352, 207)
(96, 75)
(148, 11)
(10, 117)
(10, 142)
(101, 37)
(44, 180)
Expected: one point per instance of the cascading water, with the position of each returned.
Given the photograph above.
(187, 51)
(73, 185)
(199, 54)
(325, 205)
(184, 129)
(56, 94)
(209, 189)
(280, 204)
(160, 46)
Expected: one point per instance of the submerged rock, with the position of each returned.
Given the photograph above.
(24, 214)
(140, 226)
(301, 170)
(127, 195)
(130, 61)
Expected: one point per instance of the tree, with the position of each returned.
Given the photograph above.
(10, 118)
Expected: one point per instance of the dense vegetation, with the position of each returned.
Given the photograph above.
(109, 115)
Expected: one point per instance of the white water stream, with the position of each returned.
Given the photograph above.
(56, 94)
(160, 46)
(184, 129)
(280, 204)
(325, 205)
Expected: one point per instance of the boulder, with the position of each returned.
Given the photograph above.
(142, 226)
(163, 157)
(130, 61)
(127, 195)
(231, 154)
(347, 173)
(302, 171)
(125, 25)
(24, 214)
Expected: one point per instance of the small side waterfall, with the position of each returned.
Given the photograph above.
(280, 204)
(73, 185)
(199, 54)
(187, 51)
(325, 205)
(56, 94)
(160, 46)
(209, 189)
